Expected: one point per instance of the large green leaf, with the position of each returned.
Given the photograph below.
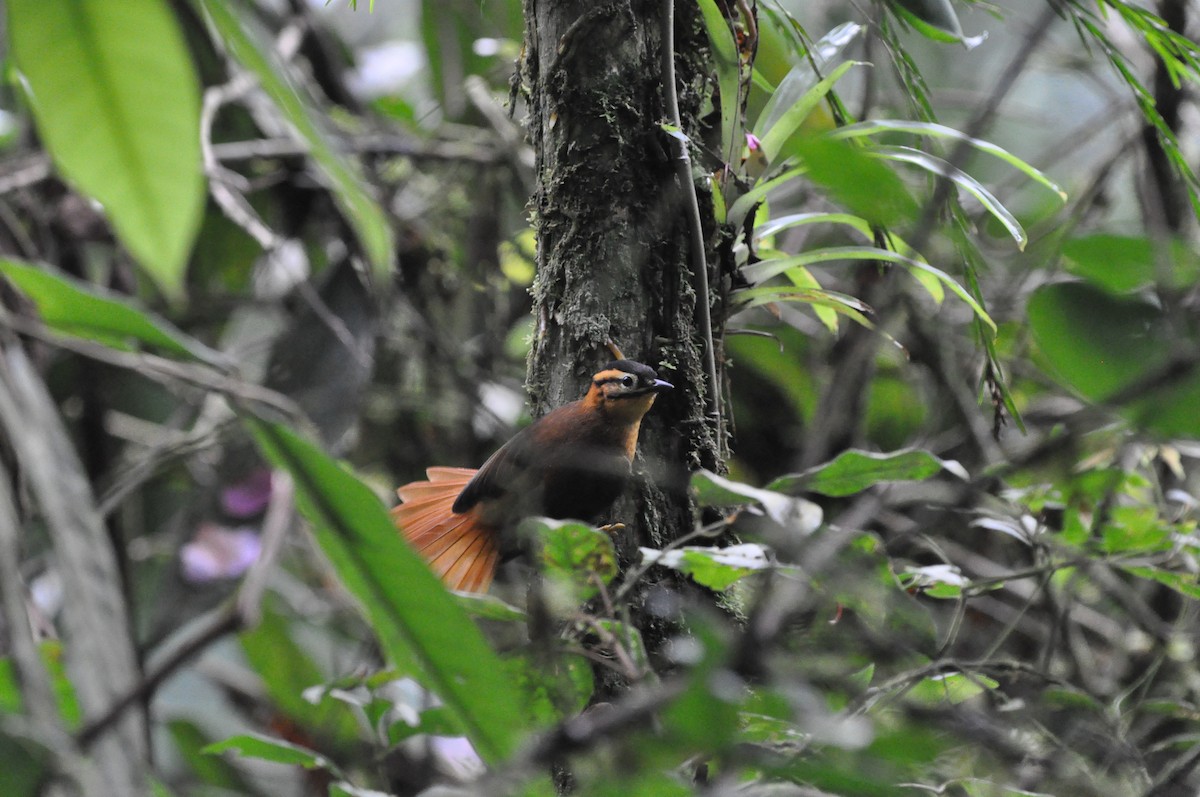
(118, 106)
(714, 490)
(854, 471)
(83, 310)
(419, 625)
(361, 211)
(1096, 342)
(1121, 264)
(857, 181)
(27, 765)
(1101, 344)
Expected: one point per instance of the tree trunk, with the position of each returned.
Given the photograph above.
(612, 235)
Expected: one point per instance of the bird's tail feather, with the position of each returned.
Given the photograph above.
(460, 549)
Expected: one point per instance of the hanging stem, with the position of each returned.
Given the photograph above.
(699, 263)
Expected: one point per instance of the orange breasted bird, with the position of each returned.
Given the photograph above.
(572, 463)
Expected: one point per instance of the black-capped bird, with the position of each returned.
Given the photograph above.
(572, 463)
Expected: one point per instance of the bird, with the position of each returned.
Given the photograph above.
(573, 462)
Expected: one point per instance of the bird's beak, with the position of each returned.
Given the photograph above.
(660, 385)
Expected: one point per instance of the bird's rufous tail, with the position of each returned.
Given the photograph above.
(459, 548)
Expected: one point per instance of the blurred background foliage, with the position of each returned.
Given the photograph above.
(276, 253)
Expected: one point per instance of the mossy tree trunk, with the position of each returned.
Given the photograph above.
(612, 231)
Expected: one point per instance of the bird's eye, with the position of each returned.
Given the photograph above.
(628, 381)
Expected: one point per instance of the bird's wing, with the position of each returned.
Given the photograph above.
(499, 474)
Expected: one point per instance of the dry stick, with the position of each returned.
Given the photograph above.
(29, 670)
(159, 369)
(221, 623)
(366, 144)
(25, 172)
(683, 173)
(227, 187)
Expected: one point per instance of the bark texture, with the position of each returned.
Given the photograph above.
(612, 240)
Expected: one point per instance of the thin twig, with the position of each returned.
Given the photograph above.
(159, 369)
(227, 187)
(334, 323)
(367, 144)
(225, 621)
(281, 511)
(26, 172)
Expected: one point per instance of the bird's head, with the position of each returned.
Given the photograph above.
(625, 389)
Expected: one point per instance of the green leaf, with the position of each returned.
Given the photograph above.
(573, 552)
(287, 671)
(27, 765)
(1187, 584)
(742, 206)
(189, 742)
(555, 687)
(714, 490)
(766, 269)
(937, 13)
(82, 310)
(933, 130)
(769, 228)
(418, 623)
(953, 687)
(1116, 263)
(356, 204)
(800, 80)
(117, 104)
(488, 607)
(821, 300)
(715, 568)
(1099, 343)
(702, 718)
(858, 181)
(776, 136)
(963, 180)
(1121, 264)
(1135, 529)
(255, 745)
(854, 471)
(803, 279)
(936, 20)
